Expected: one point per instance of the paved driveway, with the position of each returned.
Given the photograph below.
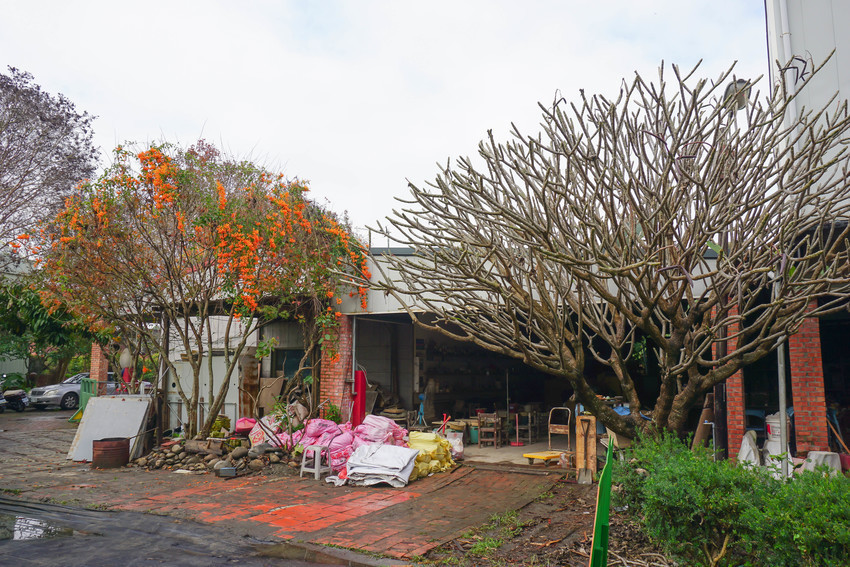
(401, 523)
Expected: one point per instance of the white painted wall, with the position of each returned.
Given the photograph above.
(808, 31)
(184, 370)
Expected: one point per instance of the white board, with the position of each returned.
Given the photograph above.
(106, 417)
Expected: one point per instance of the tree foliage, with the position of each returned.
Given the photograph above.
(653, 216)
(45, 150)
(204, 246)
(46, 339)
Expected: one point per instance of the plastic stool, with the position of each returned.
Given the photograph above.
(317, 467)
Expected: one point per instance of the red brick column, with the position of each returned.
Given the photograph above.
(736, 420)
(99, 368)
(807, 389)
(336, 369)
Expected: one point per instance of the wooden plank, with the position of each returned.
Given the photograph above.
(586, 442)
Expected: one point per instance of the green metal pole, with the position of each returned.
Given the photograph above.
(599, 547)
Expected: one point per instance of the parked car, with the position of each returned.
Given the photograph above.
(67, 394)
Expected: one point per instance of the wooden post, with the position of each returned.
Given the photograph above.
(586, 442)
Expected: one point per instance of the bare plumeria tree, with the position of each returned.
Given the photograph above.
(651, 219)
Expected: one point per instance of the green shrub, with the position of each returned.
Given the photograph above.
(707, 513)
(806, 522)
(14, 381)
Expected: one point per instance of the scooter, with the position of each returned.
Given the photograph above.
(16, 399)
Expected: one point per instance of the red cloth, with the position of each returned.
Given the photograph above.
(359, 411)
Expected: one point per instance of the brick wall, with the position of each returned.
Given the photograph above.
(735, 418)
(807, 388)
(99, 367)
(335, 370)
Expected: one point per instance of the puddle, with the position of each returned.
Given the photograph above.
(22, 528)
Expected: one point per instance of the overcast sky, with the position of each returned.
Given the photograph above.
(358, 96)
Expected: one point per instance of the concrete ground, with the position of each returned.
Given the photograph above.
(274, 506)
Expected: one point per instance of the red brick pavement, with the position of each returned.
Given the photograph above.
(398, 522)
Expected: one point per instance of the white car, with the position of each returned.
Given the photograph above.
(67, 394)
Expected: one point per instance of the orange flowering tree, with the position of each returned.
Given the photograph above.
(206, 247)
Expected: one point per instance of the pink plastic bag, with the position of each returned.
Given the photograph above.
(317, 427)
(341, 441)
(290, 441)
(340, 458)
(245, 424)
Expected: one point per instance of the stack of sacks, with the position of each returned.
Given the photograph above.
(374, 464)
(290, 441)
(380, 430)
(341, 440)
(434, 454)
(319, 432)
(341, 447)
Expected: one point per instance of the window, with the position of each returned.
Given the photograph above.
(286, 360)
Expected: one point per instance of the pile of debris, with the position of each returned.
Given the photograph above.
(188, 456)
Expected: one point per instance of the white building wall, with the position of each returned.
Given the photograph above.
(805, 33)
(184, 370)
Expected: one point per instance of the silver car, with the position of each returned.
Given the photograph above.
(67, 394)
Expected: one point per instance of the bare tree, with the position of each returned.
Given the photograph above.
(45, 150)
(650, 219)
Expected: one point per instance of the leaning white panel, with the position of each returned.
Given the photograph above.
(106, 417)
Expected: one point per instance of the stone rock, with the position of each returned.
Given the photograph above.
(262, 448)
(294, 464)
(273, 458)
(158, 464)
(256, 464)
(213, 463)
(193, 460)
(238, 453)
(220, 464)
(141, 461)
(182, 455)
(210, 458)
(241, 465)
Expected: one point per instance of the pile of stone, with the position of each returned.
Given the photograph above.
(177, 458)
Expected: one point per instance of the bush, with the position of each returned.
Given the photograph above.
(708, 513)
(14, 381)
(806, 521)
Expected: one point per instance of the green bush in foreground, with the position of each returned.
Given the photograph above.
(708, 513)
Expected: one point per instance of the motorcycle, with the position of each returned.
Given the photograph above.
(3, 403)
(15, 399)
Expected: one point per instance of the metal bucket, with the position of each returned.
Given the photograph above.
(110, 453)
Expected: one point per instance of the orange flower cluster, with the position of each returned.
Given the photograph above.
(158, 173)
(171, 216)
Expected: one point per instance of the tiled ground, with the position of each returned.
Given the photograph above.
(399, 522)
